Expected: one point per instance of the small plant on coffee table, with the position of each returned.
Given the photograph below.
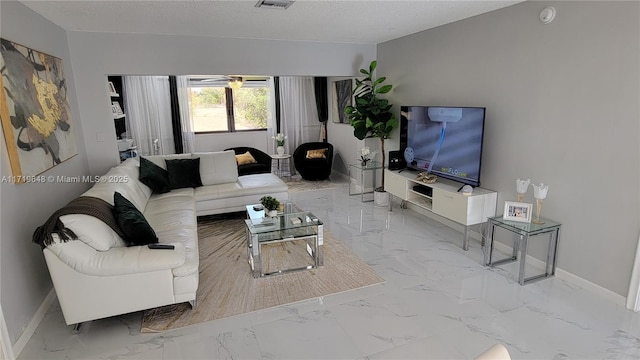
(270, 203)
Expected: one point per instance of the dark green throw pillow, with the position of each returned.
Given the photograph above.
(136, 229)
(154, 176)
(184, 173)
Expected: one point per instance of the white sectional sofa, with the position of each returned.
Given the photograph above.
(98, 275)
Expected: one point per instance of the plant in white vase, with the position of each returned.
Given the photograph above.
(270, 204)
(371, 116)
(279, 138)
(365, 152)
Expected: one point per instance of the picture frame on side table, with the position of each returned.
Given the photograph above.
(517, 211)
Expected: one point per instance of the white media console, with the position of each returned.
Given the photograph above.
(443, 199)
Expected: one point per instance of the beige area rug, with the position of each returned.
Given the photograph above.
(227, 287)
(297, 184)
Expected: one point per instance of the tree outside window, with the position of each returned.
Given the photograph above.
(218, 108)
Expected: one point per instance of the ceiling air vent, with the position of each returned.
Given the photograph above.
(274, 4)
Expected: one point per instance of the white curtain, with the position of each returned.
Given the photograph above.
(298, 112)
(271, 118)
(149, 114)
(186, 121)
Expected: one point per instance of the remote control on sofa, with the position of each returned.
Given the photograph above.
(161, 246)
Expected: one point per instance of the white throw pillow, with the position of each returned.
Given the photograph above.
(92, 231)
(217, 167)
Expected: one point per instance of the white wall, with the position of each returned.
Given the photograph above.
(562, 108)
(345, 145)
(95, 55)
(24, 278)
(217, 142)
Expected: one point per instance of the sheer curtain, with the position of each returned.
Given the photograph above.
(149, 114)
(298, 112)
(271, 117)
(186, 121)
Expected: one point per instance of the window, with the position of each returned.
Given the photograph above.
(215, 107)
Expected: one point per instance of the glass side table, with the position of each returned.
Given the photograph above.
(371, 168)
(522, 231)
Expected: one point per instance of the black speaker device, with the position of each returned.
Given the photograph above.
(396, 160)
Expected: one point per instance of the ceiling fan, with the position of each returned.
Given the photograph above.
(234, 81)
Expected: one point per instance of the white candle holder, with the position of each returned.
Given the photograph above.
(521, 187)
(540, 193)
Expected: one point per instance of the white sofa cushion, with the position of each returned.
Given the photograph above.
(173, 217)
(92, 231)
(217, 167)
(246, 185)
(261, 183)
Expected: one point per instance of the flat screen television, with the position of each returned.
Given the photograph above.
(442, 140)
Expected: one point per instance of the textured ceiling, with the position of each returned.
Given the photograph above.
(366, 22)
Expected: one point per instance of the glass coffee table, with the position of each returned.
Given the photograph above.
(298, 228)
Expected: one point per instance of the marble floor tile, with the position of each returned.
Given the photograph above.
(428, 348)
(314, 335)
(437, 302)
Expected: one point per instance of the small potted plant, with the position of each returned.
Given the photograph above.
(270, 204)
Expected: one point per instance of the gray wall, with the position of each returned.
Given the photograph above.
(95, 55)
(24, 278)
(562, 108)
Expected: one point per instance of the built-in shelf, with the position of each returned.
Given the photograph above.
(114, 94)
(119, 116)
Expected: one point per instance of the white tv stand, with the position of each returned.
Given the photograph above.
(444, 200)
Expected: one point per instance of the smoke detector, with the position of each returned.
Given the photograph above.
(547, 14)
(274, 4)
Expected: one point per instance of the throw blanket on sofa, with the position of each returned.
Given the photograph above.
(86, 205)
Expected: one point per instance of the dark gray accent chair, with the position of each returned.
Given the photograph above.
(313, 169)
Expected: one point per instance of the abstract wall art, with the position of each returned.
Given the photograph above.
(342, 97)
(34, 109)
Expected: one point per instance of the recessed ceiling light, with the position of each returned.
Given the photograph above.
(274, 4)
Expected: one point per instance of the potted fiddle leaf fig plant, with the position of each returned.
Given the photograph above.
(371, 117)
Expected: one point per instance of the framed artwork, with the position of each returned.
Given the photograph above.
(517, 211)
(112, 88)
(116, 109)
(342, 94)
(34, 110)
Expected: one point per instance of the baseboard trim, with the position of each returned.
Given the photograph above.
(588, 285)
(538, 264)
(33, 324)
(569, 277)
